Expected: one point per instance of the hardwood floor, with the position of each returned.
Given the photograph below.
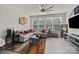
(34, 49)
(39, 49)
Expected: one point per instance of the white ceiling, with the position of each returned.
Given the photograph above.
(34, 9)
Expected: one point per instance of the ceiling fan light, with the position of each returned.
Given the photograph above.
(42, 10)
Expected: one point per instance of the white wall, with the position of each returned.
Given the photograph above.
(9, 18)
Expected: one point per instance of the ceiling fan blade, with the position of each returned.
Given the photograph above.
(43, 6)
(50, 10)
(49, 7)
(47, 11)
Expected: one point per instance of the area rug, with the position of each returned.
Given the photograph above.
(34, 49)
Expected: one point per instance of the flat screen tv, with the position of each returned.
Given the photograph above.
(74, 22)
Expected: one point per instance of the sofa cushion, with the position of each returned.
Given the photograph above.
(25, 37)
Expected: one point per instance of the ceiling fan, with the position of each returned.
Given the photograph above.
(46, 8)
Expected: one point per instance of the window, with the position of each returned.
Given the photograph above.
(47, 22)
(57, 23)
(42, 23)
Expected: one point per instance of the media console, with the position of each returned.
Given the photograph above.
(74, 39)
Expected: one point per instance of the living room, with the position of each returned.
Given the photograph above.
(34, 25)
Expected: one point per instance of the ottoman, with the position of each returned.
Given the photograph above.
(35, 40)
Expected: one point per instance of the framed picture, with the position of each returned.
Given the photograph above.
(76, 10)
(22, 20)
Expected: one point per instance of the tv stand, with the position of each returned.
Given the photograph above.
(75, 35)
(74, 39)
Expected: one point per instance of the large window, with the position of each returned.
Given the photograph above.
(42, 23)
(52, 22)
(57, 23)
